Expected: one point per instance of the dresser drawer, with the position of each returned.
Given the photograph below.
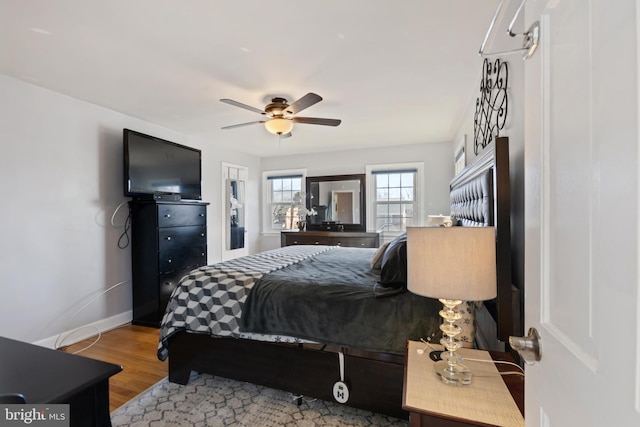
(347, 239)
(179, 237)
(168, 282)
(355, 242)
(306, 240)
(175, 259)
(170, 215)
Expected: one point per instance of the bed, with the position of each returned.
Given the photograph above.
(223, 320)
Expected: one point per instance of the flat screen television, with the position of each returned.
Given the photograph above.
(158, 169)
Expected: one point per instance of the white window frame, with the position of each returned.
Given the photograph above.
(419, 192)
(267, 228)
(459, 157)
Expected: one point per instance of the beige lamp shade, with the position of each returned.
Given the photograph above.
(456, 263)
(279, 126)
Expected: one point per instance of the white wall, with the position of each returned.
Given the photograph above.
(438, 170)
(61, 175)
(514, 129)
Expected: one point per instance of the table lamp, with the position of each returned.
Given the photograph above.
(453, 264)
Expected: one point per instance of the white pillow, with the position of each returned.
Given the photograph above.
(376, 261)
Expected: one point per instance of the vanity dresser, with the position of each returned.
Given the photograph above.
(339, 219)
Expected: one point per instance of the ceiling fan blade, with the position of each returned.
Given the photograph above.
(305, 102)
(241, 105)
(242, 124)
(316, 121)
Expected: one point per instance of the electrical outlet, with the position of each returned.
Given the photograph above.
(340, 392)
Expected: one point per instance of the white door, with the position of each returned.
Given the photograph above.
(581, 214)
(343, 206)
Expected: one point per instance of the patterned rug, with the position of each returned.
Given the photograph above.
(214, 401)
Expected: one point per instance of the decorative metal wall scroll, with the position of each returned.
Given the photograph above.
(492, 104)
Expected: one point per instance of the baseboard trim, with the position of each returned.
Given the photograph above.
(87, 331)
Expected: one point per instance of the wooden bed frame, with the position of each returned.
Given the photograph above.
(375, 380)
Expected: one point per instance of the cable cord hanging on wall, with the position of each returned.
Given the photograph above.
(123, 240)
(59, 340)
(124, 237)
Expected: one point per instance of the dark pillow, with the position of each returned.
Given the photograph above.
(394, 262)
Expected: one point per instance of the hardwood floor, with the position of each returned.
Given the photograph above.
(134, 348)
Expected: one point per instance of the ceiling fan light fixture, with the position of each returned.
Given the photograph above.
(279, 126)
(281, 115)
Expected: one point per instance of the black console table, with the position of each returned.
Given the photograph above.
(43, 376)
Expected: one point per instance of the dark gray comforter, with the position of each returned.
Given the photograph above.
(335, 298)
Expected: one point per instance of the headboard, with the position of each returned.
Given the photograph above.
(480, 197)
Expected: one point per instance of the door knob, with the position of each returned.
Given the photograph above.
(528, 347)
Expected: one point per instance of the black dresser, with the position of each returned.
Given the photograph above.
(168, 239)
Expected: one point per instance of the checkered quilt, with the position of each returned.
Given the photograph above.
(210, 299)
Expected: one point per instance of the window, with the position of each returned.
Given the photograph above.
(460, 160)
(394, 194)
(284, 196)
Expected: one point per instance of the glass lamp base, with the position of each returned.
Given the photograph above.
(456, 374)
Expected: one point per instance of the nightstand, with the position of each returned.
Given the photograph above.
(490, 400)
(46, 376)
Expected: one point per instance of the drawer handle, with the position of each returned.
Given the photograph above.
(167, 215)
(317, 243)
(169, 261)
(201, 214)
(339, 243)
(202, 254)
(201, 234)
(168, 237)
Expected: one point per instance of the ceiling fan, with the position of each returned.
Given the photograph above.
(282, 116)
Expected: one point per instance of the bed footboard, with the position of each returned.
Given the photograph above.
(375, 380)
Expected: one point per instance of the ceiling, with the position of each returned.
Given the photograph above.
(394, 72)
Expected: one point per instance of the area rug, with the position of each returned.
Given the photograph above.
(214, 401)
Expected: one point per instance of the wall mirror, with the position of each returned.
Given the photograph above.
(339, 201)
(234, 213)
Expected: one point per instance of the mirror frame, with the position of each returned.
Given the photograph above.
(363, 205)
